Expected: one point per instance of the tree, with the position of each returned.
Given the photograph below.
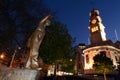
(18, 18)
(56, 46)
(68, 66)
(102, 64)
(118, 67)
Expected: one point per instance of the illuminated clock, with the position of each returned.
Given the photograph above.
(93, 21)
(94, 29)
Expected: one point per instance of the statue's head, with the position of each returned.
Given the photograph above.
(47, 23)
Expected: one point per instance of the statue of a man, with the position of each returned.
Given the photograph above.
(35, 41)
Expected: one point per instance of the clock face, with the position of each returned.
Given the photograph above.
(94, 29)
(94, 21)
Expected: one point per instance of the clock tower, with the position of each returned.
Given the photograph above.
(97, 33)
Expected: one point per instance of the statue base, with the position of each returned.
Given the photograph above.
(19, 74)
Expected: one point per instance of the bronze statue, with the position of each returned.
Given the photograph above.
(34, 43)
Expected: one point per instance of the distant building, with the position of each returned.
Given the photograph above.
(79, 59)
(99, 44)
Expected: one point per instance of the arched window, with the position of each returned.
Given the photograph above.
(87, 58)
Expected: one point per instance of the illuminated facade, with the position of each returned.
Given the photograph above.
(89, 53)
(99, 44)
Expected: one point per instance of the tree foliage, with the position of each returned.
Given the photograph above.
(18, 18)
(56, 45)
(68, 66)
(103, 64)
(118, 67)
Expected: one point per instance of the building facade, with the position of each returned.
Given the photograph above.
(79, 59)
(99, 44)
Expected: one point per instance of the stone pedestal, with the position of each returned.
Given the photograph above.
(19, 74)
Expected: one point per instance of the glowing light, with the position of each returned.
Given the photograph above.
(2, 56)
(94, 29)
(70, 59)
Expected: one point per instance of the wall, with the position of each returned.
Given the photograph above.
(18, 74)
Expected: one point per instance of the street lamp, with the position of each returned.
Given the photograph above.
(2, 56)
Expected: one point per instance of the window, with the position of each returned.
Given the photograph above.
(87, 58)
(103, 53)
(106, 48)
(116, 58)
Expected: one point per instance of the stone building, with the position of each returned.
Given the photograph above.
(99, 43)
(79, 59)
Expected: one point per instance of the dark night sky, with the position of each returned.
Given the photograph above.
(75, 14)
